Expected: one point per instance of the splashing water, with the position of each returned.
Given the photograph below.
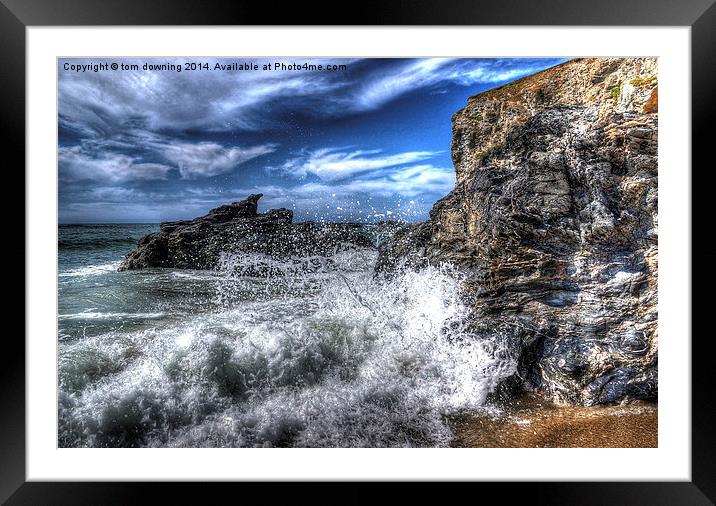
(319, 353)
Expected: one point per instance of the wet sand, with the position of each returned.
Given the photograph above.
(533, 423)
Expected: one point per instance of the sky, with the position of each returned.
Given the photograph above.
(366, 140)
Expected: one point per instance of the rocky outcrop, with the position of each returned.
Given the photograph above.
(239, 228)
(554, 220)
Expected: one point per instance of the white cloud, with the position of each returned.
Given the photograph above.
(77, 165)
(329, 164)
(205, 159)
(412, 181)
(407, 182)
(191, 159)
(415, 75)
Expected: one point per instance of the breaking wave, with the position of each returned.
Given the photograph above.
(319, 352)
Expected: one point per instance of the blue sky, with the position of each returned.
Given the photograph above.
(367, 143)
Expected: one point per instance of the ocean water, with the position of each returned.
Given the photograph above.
(320, 354)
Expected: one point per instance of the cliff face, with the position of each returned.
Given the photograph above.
(554, 218)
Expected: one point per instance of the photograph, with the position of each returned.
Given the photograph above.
(357, 252)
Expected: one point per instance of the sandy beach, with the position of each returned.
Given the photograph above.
(534, 423)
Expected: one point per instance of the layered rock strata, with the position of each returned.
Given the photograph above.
(554, 220)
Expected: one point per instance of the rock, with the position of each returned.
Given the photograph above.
(238, 228)
(554, 220)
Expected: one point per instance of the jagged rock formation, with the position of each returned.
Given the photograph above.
(554, 218)
(239, 228)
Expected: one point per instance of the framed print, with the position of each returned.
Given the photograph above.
(443, 243)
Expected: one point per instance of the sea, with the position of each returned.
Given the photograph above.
(322, 352)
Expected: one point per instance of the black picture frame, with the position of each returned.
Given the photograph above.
(700, 15)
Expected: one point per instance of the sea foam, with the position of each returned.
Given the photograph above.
(323, 356)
